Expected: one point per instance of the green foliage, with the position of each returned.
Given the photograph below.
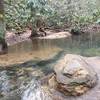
(16, 14)
(2, 24)
(22, 13)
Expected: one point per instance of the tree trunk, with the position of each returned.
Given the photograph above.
(2, 29)
(34, 32)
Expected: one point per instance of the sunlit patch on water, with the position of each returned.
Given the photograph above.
(35, 92)
(4, 83)
(22, 81)
(12, 81)
(28, 89)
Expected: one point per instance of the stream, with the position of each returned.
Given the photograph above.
(28, 61)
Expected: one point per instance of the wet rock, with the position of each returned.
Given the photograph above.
(73, 75)
(21, 72)
(52, 82)
(76, 32)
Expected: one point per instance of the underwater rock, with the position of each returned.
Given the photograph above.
(73, 75)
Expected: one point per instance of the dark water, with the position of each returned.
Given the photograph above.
(43, 54)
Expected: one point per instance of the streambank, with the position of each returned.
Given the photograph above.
(13, 38)
(91, 30)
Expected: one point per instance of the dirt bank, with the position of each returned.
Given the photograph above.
(13, 38)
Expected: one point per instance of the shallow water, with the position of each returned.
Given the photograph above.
(83, 45)
(35, 92)
(86, 45)
(42, 55)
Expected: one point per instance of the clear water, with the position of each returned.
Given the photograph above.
(88, 45)
(35, 92)
(17, 83)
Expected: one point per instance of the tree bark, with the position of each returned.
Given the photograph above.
(3, 43)
(34, 32)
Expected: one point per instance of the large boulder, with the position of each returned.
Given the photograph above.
(73, 75)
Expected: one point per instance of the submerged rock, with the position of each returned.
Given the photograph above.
(73, 75)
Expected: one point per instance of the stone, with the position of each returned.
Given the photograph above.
(73, 75)
(52, 82)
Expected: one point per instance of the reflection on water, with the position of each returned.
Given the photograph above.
(29, 50)
(19, 80)
(87, 45)
(77, 44)
(32, 45)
